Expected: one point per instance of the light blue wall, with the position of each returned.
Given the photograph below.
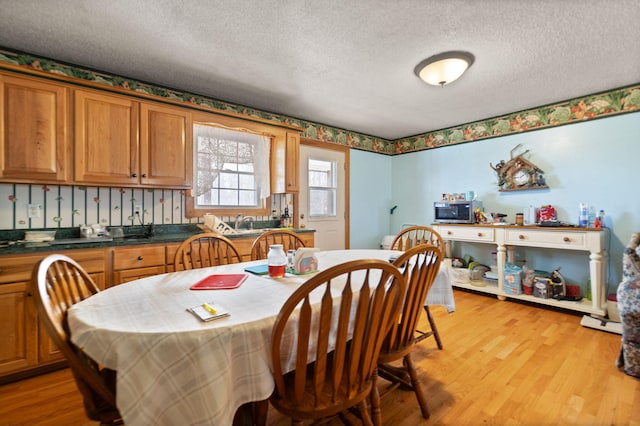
(591, 162)
(370, 198)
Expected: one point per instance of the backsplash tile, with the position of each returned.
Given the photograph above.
(71, 206)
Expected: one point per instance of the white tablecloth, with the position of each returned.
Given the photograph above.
(174, 369)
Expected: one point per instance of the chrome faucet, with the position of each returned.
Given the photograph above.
(240, 218)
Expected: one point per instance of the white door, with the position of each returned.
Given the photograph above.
(323, 195)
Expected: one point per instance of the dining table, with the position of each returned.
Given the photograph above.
(172, 368)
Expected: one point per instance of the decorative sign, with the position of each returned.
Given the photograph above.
(518, 173)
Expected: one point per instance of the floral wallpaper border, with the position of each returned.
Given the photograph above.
(601, 105)
(617, 101)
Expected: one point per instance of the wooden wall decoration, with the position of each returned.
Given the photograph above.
(518, 173)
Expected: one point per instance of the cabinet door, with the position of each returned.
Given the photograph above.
(106, 139)
(285, 154)
(18, 332)
(165, 146)
(33, 144)
(127, 275)
(292, 161)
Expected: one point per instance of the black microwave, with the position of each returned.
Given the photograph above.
(457, 211)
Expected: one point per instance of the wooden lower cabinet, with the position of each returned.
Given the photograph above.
(132, 263)
(24, 343)
(18, 328)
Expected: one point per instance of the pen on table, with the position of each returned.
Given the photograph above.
(209, 308)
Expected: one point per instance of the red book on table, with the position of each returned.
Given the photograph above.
(220, 281)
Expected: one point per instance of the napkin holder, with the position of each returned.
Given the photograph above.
(305, 261)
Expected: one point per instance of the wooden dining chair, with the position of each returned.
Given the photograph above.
(420, 266)
(204, 250)
(411, 237)
(327, 337)
(58, 282)
(415, 235)
(289, 240)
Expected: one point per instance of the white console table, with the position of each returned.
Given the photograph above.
(506, 238)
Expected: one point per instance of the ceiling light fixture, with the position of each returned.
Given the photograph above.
(444, 68)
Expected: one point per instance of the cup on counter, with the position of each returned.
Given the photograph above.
(116, 232)
(470, 196)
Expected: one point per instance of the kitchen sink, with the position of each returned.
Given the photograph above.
(80, 240)
(137, 237)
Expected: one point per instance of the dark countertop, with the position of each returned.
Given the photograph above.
(134, 235)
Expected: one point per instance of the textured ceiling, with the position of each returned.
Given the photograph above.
(347, 64)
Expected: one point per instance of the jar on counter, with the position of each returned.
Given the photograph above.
(520, 219)
(276, 261)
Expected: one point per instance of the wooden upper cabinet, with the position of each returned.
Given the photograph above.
(106, 139)
(165, 146)
(120, 141)
(292, 161)
(34, 141)
(284, 163)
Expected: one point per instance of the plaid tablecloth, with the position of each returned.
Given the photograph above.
(174, 369)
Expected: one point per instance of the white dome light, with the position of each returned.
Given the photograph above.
(444, 68)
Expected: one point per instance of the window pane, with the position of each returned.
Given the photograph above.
(322, 202)
(230, 167)
(228, 180)
(208, 198)
(246, 167)
(228, 197)
(247, 182)
(247, 198)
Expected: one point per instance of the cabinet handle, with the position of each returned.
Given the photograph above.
(134, 175)
(140, 257)
(522, 237)
(29, 294)
(480, 234)
(449, 233)
(566, 239)
(144, 175)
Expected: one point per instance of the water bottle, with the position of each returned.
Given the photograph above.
(592, 217)
(276, 261)
(601, 218)
(583, 220)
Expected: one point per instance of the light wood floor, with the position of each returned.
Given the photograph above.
(503, 363)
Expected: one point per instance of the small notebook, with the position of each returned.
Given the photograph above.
(203, 314)
(258, 269)
(220, 281)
